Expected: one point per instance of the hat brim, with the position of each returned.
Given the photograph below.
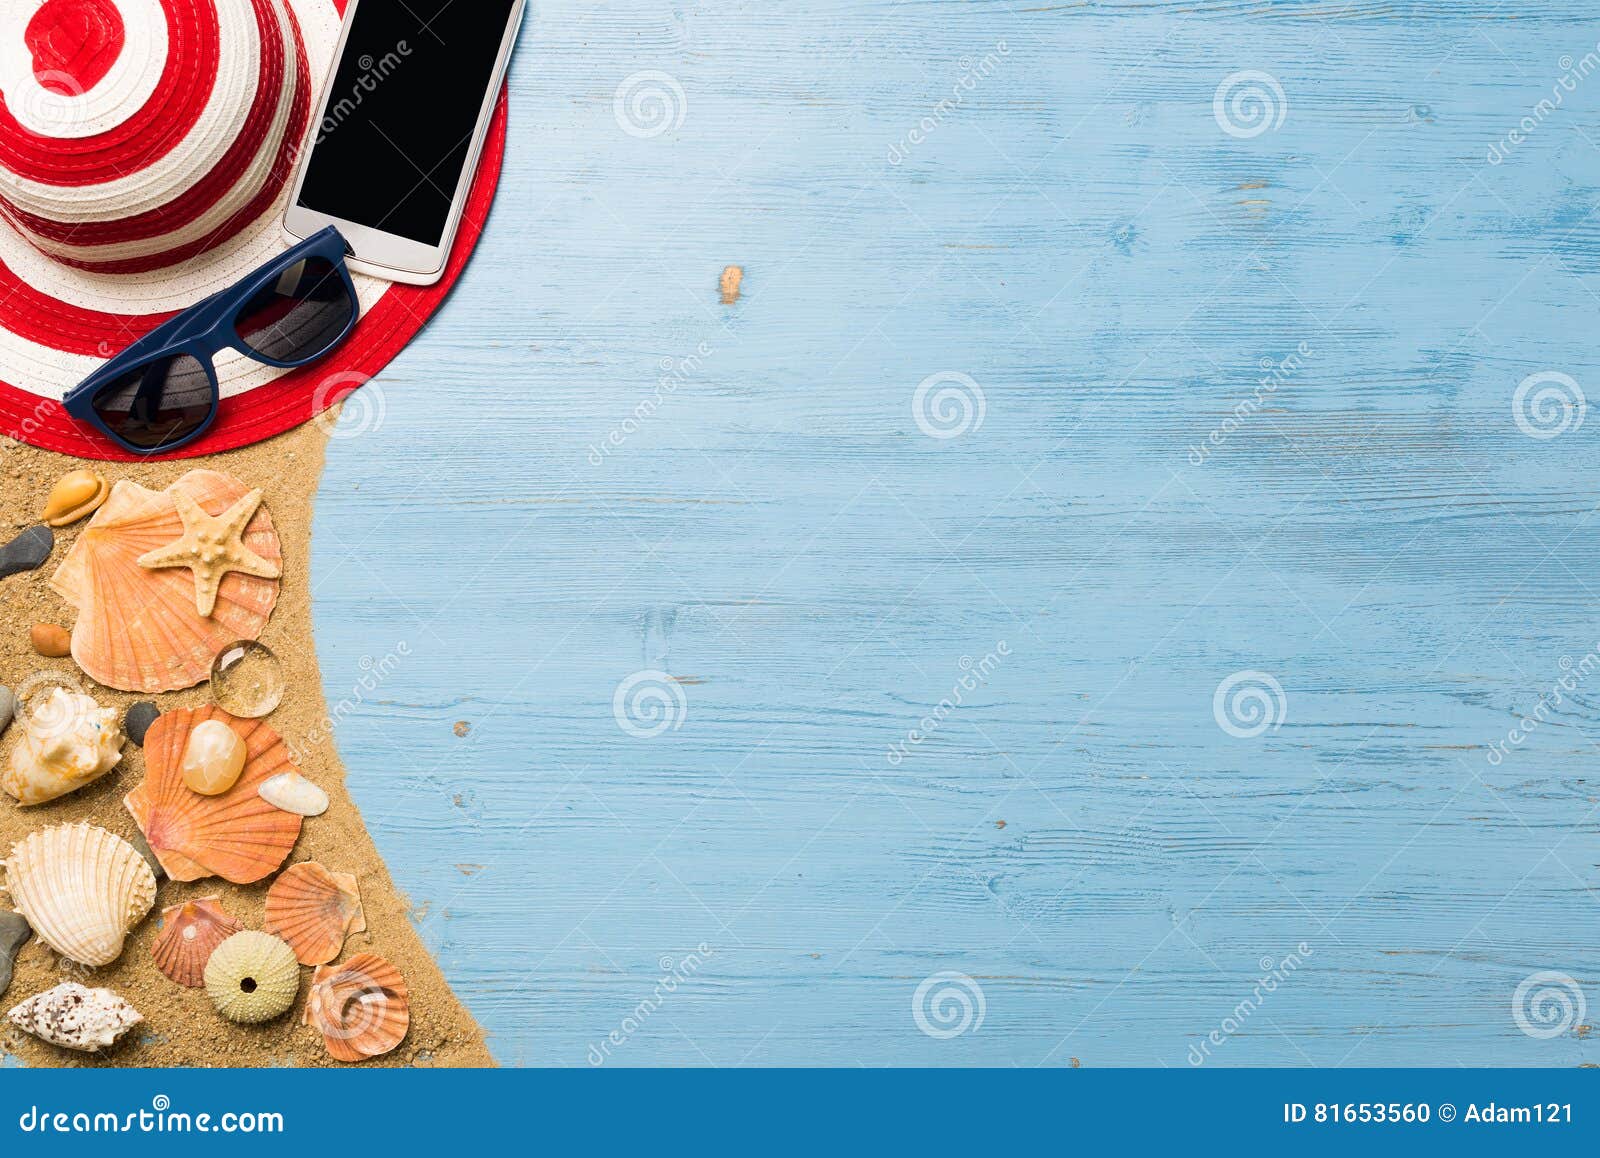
(292, 398)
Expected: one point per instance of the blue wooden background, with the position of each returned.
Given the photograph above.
(1116, 273)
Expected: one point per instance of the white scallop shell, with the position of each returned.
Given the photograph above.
(82, 889)
(75, 1017)
(292, 792)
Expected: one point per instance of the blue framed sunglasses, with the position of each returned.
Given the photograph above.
(161, 393)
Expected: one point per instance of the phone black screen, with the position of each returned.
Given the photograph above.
(398, 125)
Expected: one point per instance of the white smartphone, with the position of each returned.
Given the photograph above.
(400, 128)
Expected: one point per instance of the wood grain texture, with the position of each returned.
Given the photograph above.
(1079, 235)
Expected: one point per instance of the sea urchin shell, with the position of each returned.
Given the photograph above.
(361, 1007)
(314, 910)
(252, 977)
(190, 932)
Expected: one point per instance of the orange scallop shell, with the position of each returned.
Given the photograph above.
(137, 629)
(237, 836)
(361, 1008)
(189, 932)
(314, 909)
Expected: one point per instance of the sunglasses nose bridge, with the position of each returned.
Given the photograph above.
(163, 392)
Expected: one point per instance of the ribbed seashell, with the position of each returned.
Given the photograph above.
(252, 977)
(190, 932)
(82, 889)
(361, 1007)
(75, 1017)
(237, 836)
(314, 909)
(292, 792)
(138, 629)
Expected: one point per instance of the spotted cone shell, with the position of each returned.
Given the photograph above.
(237, 836)
(190, 932)
(138, 630)
(361, 1008)
(82, 889)
(314, 909)
(76, 1017)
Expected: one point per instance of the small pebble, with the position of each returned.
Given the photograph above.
(51, 640)
(8, 708)
(27, 552)
(138, 720)
(14, 931)
(213, 759)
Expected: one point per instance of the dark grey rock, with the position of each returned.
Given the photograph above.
(138, 720)
(14, 931)
(28, 551)
(8, 708)
(142, 846)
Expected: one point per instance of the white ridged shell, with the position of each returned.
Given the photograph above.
(82, 889)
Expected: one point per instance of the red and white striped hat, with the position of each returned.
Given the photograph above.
(146, 149)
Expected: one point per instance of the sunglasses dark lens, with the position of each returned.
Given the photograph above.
(159, 404)
(300, 315)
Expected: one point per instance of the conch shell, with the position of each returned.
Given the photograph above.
(361, 1008)
(73, 1016)
(190, 932)
(237, 836)
(82, 889)
(314, 910)
(67, 741)
(140, 630)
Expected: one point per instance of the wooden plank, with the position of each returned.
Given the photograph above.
(1081, 237)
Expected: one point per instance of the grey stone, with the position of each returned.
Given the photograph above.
(142, 846)
(14, 931)
(28, 551)
(8, 708)
(138, 720)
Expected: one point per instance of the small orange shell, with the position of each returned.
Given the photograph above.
(237, 836)
(361, 1008)
(189, 932)
(74, 497)
(139, 630)
(314, 910)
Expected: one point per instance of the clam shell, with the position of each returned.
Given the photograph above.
(82, 889)
(75, 1017)
(237, 836)
(190, 932)
(361, 1008)
(138, 630)
(314, 910)
(252, 977)
(292, 792)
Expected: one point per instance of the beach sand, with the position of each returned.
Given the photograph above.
(181, 1027)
